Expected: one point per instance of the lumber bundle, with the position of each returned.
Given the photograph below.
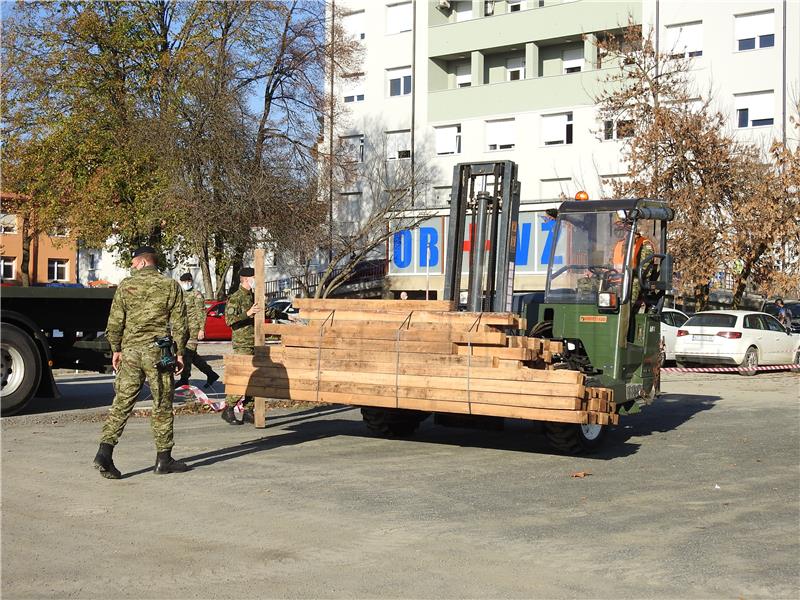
(419, 355)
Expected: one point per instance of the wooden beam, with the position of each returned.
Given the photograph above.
(404, 306)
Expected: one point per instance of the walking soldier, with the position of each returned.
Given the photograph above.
(145, 306)
(196, 316)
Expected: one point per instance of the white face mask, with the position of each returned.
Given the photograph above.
(251, 282)
(186, 285)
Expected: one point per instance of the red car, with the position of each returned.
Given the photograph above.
(216, 329)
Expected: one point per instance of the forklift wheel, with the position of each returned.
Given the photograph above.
(569, 438)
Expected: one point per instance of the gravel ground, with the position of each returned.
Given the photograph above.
(698, 497)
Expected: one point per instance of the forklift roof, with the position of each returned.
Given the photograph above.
(609, 205)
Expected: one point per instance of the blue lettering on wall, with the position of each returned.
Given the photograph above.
(428, 247)
(402, 249)
(549, 226)
(523, 244)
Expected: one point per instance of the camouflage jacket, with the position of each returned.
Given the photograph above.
(242, 326)
(145, 306)
(195, 312)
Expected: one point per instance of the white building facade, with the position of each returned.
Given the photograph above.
(481, 81)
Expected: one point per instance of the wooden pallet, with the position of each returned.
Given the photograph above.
(418, 355)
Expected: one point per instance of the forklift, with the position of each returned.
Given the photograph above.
(607, 276)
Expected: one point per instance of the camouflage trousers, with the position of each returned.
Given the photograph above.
(137, 364)
(233, 399)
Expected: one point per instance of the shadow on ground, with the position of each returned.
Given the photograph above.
(668, 413)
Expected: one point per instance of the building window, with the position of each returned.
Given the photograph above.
(349, 209)
(354, 25)
(59, 231)
(515, 69)
(488, 8)
(573, 60)
(464, 75)
(755, 110)
(8, 224)
(755, 31)
(500, 134)
(399, 81)
(353, 147)
(8, 267)
(398, 144)
(448, 139)
(516, 5)
(617, 130)
(93, 261)
(57, 269)
(685, 40)
(353, 87)
(463, 10)
(557, 129)
(399, 17)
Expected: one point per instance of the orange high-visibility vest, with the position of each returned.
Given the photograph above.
(619, 252)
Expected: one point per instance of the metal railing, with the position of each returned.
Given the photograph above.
(293, 286)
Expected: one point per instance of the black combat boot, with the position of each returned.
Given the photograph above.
(229, 417)
(248, 416)
(210, 380)
(166, 464)
(104, 464)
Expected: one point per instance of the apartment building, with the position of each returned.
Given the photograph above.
(52, 254)
(475, 80)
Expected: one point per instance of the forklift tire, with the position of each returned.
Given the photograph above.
(393, 422)
(749, 361)
(21, 369)
(569, 438)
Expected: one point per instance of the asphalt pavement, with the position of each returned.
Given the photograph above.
(698, 497)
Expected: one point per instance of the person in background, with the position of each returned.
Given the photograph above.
(196, 315)
(783, 313)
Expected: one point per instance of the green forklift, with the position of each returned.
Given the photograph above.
(607, 277)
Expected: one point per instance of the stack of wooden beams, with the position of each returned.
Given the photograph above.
(415, 354)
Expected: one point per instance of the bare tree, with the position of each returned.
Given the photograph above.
(733, 205)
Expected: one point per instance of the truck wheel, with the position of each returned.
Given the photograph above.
(20, 369)
(393, 422)
(749, 362)
(569, 438)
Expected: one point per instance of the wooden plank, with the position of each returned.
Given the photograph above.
(247, 385)
(377, 305)
(455, 383)
(357, 331)
(495, 410)
(280, 354)
(260, 411)
(502, 353)
(463, 318)
(454, 371)
(360, 344)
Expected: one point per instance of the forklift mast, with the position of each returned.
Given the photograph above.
(484, 208)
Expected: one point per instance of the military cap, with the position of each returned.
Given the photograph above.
(143, 250)
(186, 277)
(247, 272)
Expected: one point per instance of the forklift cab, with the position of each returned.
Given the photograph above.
(606, 280)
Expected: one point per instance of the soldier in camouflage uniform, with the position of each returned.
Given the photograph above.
(144, 308)
(196, 314)
(239, 312)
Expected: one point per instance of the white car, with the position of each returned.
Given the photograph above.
(736, 337)
(671, 321)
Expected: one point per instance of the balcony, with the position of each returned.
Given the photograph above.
(514, 97)
(548, 22)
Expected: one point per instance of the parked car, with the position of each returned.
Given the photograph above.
(794, 309)
(286, 310)
(736, 337)
(216, 329)
(671, 320)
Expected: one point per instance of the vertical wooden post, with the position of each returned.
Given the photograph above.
(260, 408)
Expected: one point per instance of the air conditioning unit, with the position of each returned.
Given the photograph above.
(443, 4)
